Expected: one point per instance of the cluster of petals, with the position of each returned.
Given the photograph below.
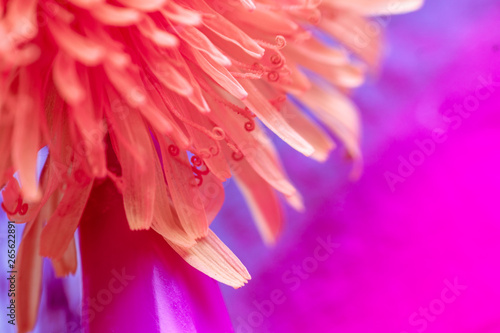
(181, 95)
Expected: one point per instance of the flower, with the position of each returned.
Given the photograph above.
(180, 91)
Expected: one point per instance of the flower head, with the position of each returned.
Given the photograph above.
(181, 93)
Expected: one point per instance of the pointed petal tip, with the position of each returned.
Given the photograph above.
(140, 227)
(307, 150)
(296, 202)
(357, 169)
(400, 7)
(243, 95)
(269, 241)
(409, 6)
(242, 281)
(34, 195)
(241, 285)
(320, 157)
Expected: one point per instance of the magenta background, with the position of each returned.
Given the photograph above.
(396, 249)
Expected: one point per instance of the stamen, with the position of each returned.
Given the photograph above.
(273, 76)
(199, 173)
(173, 150)
(21, 208)
(215, 137)
(280, 43)
(250, 125)
(237, 155)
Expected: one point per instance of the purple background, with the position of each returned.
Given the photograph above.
(397, 250)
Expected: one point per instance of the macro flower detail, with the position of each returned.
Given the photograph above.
(182, 94)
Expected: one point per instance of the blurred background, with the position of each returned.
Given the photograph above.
(413, 245)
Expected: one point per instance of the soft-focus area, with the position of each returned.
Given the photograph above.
(413, 246)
